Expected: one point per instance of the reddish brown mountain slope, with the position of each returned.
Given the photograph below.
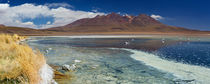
(116, 23)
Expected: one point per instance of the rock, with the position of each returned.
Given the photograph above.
(127, 43)
(94, 66)
(59, 75)
(163, 40)
(77, 61)
(46, 51)
(68, 67)
(49, 48)
(73, 66)
(184, 81)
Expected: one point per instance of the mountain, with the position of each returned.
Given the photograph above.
(106, 24)
(118, 24)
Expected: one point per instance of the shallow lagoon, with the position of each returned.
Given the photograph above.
(110, 60)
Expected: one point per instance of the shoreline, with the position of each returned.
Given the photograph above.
(121, 36)
(117, 33)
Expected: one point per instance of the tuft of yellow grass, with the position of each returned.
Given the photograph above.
(19, 63)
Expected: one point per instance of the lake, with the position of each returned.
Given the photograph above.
(130, 60)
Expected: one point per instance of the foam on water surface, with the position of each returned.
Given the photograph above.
(200, 75)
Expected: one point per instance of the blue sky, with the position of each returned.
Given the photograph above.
(193, 14)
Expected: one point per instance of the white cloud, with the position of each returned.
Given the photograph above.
(157, 17)
(28, 23)
(48, 22)
(58, 5)
(4, 6)
(95, 10)
(13, 16)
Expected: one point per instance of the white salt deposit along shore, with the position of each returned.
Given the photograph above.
(198, 74)
(47, 74)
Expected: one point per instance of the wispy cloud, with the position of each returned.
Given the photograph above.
(14, 16)
(65, 5)
(95, 9)
(156, 17)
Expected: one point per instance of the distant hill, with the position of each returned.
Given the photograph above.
(107, 24)
(21, 31)
(1, 26)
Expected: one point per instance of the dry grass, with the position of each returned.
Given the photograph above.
(19, 63)
(6, 38)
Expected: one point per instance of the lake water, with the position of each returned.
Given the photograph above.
(142, 60)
